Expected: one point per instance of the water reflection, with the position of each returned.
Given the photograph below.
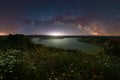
(67, 43)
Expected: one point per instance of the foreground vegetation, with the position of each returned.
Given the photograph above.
(111, 45)
(26, 61)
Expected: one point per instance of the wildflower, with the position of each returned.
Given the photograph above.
(78, 73)
(56, 78)
(107, 64)
(52, 73)
(72, 71)
(94, 76)
(16, 78)
(97, 56)
(64, 74)
(50, 78)
(10, 71)
(34, 68)
(1, 77)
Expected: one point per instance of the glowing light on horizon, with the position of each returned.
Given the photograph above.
(56, 34)
(2, 33)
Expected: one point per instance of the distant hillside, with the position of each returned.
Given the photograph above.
(17, 41)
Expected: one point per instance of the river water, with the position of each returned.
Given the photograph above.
(68, 43)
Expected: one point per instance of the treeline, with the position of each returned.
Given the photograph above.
(110, 44)
(17, 41)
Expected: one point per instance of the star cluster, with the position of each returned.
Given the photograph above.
(69, 17)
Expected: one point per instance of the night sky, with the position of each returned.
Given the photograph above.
(63, 17)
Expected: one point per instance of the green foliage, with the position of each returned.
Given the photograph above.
(46, 63)
(110, 44)
(54, 64)
(17, 41)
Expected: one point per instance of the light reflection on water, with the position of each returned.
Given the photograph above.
(67, 43)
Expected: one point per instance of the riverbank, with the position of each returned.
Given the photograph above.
(47, 63)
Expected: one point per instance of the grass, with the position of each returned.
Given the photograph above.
(54, 64)
(46, 63)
